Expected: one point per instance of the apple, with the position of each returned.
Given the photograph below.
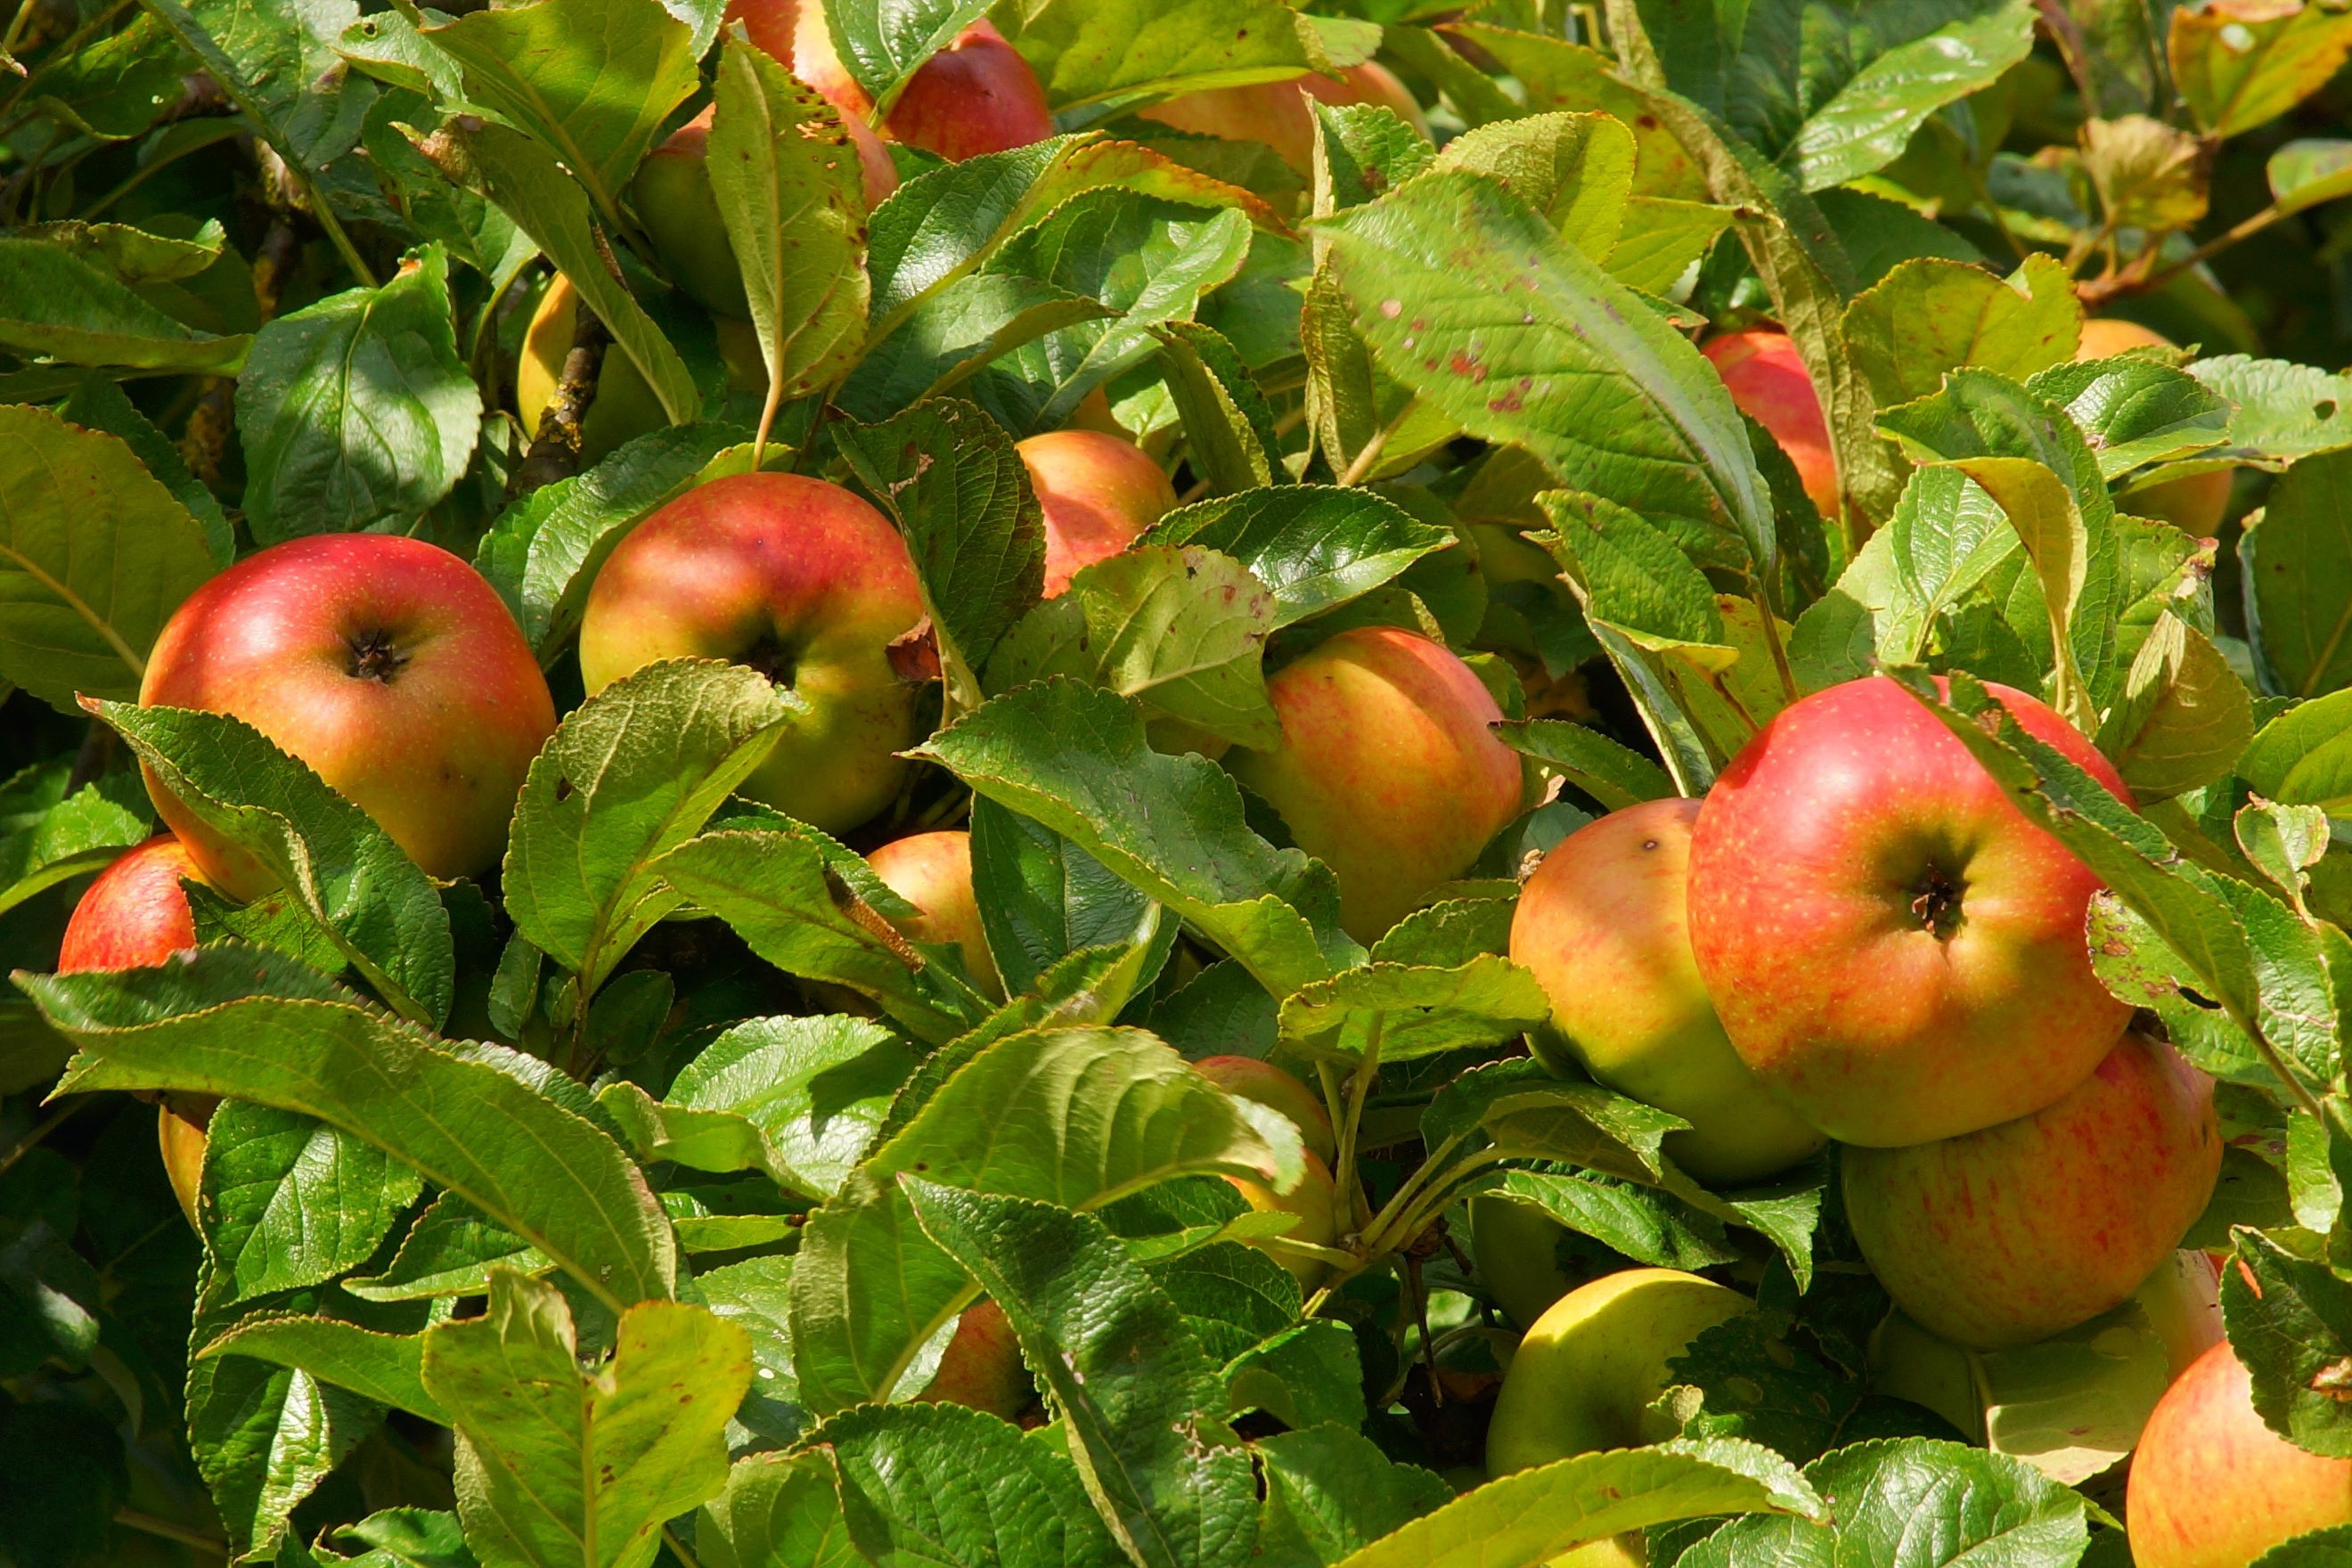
(932, 872)
(2212, 1486)
(2007, 1236)
(1890, 946)
(1602, 925)
(1584, 1377)
(2194, 505)
(135, 915)
(977, 95)
(1276, 112)
(1315, 1201)
(386, 664)
(981, 1366)
(1278, 1091)
(1098, 492)
(674, 203)
(1387, 772)
(1516, 1247)
(798, 579)
(2182, 1298)
(1768, 380)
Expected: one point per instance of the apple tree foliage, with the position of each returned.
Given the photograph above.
(609, 1212)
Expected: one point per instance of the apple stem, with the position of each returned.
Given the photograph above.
(1351, 1188)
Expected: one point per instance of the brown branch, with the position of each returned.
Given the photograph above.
(555, 446)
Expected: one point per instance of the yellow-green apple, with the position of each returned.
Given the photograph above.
(1098, 492)
(1516, 1247)
(798, 579)
(1315, 1201)
(932, 872)
(625, 407)
(1603, 925)
(977, 95)
(1892, 948)
(1278, 1091)
(2212, 1486)
(1387, 771)
(385, 663)
(1277, 112)
(1768, 380)
(981, 1366)
(2009, 1235)
(2193, 505)
(1584, 1377)
(135, 915)
(2182, 1298)
(674, 201)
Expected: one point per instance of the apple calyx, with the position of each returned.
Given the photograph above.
(375, 655)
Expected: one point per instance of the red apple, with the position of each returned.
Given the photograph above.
(981, 1366)
(134, 916)
(1098, 492)
(1892, 947)
(674, 201)
(1278, 1091)
(977, 95)
(2194, 505)
(2007, 1236)
(798, 579)
(932, 872)
(385, 663)
(2212, 1486)
(1603, 925)
(1767, 378)
(1387, 772)
(1276, 112)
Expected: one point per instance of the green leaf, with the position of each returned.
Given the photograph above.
(543, 553)
(960, 495)
(276, 60)
(2304, 756)
(386, 1368)
(1519, 338)
(472, 1130)
(781, 893)
(48, 836)
(1140, 1401)
(1947, 537)
(951, 334)
(1228, 428)
(1403, 1011)
(559, 1469)
(1116, 1112)
(1330, 1492)
(592, 81)
(943, 1484)
(2308, 172)
(1528, 1519)
(779, 165)
(886, 43)
(1303, 1375)
(2281, 410)
(1612, 774)
(2290, 1320)
(628, 776)
(1179, 630)
(1041, 899)
(816, 1089)
(404, 1537)
(2301, 590)
(1363, 150)
(357, 412)
(776, 1509)
(1577, 170)
(1087, 51)
(1148, 259)
(2238, 67)
(338, 866)
(2134, 410)
(1645, 1225)
(98, 404)
(94, 557)
(1928, 317)
(528, 183)
(288, 1202)
(2183, 716)
(60, 307)
(449, 1251)
(1316, 546)
(1982, 1504)
(936, 228)
(1073, 758)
